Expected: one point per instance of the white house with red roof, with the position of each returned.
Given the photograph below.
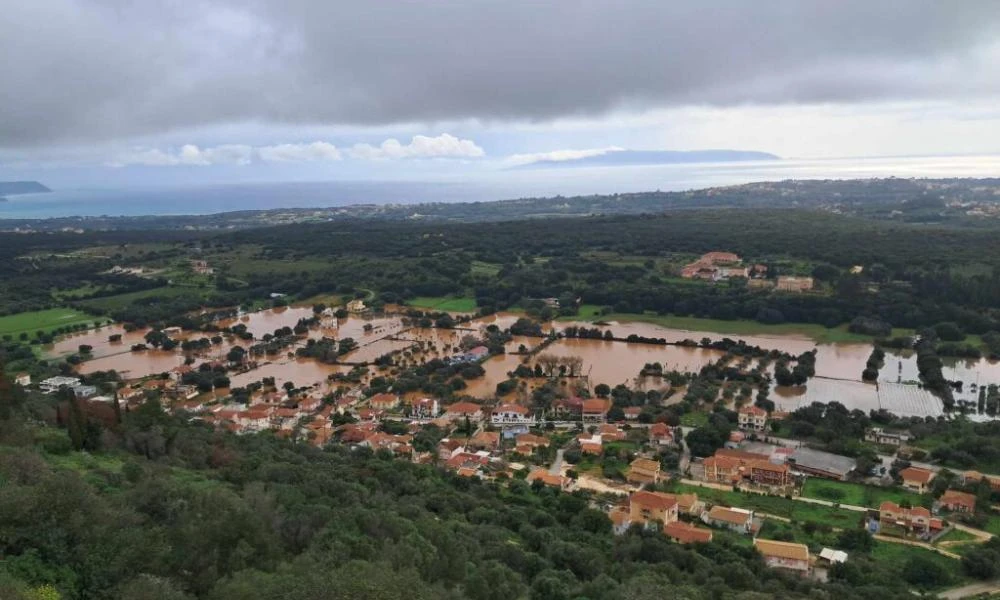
(512, 414)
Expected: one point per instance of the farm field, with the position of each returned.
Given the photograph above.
(445, 303)
(42, 320)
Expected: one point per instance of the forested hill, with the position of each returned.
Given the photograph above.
(9, 188)
(164, 509)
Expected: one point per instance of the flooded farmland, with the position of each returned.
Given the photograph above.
(838, 366)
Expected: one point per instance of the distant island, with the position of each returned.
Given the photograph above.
(11, 188)
(621, 158)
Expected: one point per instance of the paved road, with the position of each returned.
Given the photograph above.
(986, 588)
(556, 468)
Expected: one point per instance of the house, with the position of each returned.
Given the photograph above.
(22, 379)
(384, 401)
(485, 440)
(956, 501)
(734, 466)
(752, 418)
(253, 420)
(512, 414)
(917, 519)
(201, 267)
(620, 520)
(632, 412)
(356, 306)
(652, 507)
(661, 434)
(611, 433)
(52, 384)
(549, 479)
(794, 284)
(464, 410)
(976, 477)
(760, 283)
(448, 448)
(886, 438)
(526, 443)
(832, 557)
(688, 504)
(424, 408)
(595, 410)
(784, 555)
(916, 478)
(477, 353)
(735, 519)
(686, 533)
(591, 445)
(84, 391)
(821, 464)
(468, 464)
(643, 470)
(570, 408)
(714, 266)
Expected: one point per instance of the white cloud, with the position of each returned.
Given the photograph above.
(420, 146)
(299, 152)
(187, 155)
(557, 155)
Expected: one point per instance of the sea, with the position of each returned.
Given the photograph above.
(481, 187)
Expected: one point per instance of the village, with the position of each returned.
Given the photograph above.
(524, 402)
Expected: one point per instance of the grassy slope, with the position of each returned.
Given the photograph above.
(856, 494)
(44, 320)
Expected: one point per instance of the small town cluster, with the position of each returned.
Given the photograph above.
(505, 441)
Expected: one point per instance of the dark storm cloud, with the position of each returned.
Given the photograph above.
(98, 70)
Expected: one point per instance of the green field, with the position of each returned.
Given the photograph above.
(694, 324)
(777, 505)
(897, 555)
(43, 320)
(695, 418)
(460, 304)
(856, 494)
(956, 535)
(123, 300)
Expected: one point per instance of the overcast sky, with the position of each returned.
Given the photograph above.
(332, 89)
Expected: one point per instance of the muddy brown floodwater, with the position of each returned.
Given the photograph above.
(838, 366)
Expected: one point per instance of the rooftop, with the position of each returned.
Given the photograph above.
(777, 549)
(822, 461)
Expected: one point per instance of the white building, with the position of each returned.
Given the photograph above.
(52, 384)
(511, 414)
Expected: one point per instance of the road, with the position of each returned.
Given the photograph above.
(987, 588)
(556, 468)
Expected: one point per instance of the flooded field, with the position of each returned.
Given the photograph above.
(373, 350)
(616, 363)
(838, 366)
(98, 340)
(135, 364)
(300, 371)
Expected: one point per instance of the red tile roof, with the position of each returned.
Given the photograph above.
(917, 474)
(653, 500)
(685, 533)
